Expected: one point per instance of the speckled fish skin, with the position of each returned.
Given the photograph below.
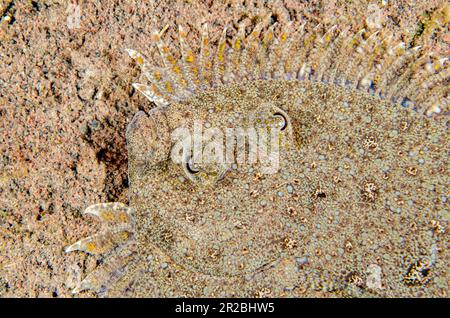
(342, 184)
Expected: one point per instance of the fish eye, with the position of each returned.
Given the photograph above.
(283, 118)
(191, 167)
(203, 174)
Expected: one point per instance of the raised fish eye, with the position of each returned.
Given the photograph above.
(190, 167)
(284, 120)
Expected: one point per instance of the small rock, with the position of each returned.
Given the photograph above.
(302, 260)
(290, 189)
(373, 280)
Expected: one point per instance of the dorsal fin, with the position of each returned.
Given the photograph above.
(340, 53)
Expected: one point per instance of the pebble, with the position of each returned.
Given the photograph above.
(164, 265)
(393, 133)
(290, 189)
(302, 260)
(94, 124)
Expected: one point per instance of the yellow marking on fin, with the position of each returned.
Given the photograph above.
(177, 69)
(108, 216)
(156, 90)
(222, 48)
(91, 247)
(171, 59)
(164, 30)
(238, 44)
(190, 58)
(123, 217)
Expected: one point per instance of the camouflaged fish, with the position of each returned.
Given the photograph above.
(361, 165)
